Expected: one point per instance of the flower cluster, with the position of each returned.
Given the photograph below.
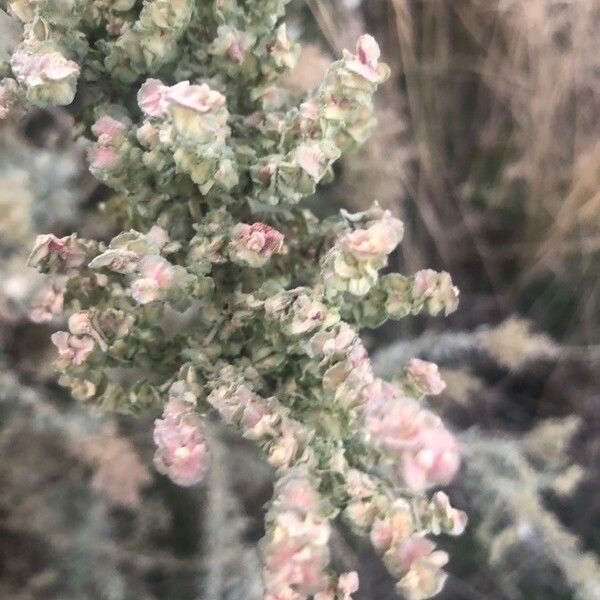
(48, 77)
(396, 296)
(425, 452)
(223, 296)
(181, 449)
(186, 130)
(397, 527)
(353, 264)
(295, 550)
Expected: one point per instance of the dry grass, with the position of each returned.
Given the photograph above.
(495, 111)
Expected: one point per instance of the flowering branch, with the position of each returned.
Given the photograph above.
(223, 296)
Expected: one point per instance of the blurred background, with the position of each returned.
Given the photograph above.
(488, 146)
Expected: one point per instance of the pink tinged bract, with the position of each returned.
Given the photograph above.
(393, 421)
(73, 349)
(48, 302)
(36, 69)
(108, 130)
(102, 157)
(158, 269)
(311, 160)
(427, 376)
(67, 249)
(199, 98)
(156, 275)
(379, 239)
(368, 54)
(151, 98)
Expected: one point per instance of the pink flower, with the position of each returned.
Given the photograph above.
(426, 376)
(295, 548)
(158, 269)
(427, 454)
(359, 484)
(145, 290)
(296, 554)
(295, 492)
(421, 565)
(390, 530)
(105, 154)
(199, 98)
(72, 349)
(393, 421)
(327, 343)
(80, 324)
(255, 244)
(368, 54)
(182, 451)
(151, 98)
(37, 69)
(262, 238)
(156, 274)
(453, 520)
(348, 583)
(102, 157)
(368, 50)
(312, 160)
(108, 130)
(48, 302)
(436, 291)
(66, 250)
(418, 548)
(358, 357)
(378, 240)
(425, 283)
(433, 460)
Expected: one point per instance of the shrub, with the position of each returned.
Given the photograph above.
(223, 295)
